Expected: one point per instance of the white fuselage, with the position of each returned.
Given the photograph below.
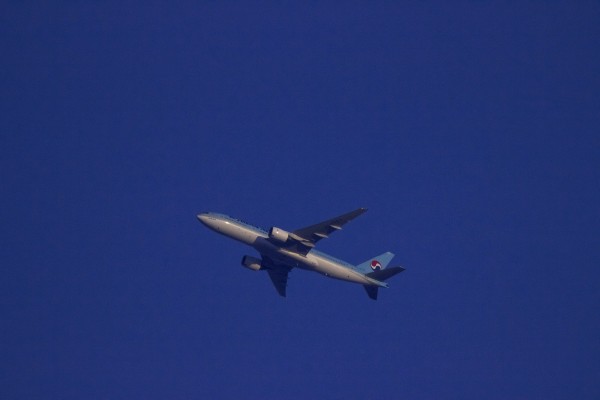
(259, 239)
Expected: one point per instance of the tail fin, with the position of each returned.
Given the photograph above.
(380, 275)
(375, 264)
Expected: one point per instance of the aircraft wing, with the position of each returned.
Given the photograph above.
(278, 274)
(312, 234)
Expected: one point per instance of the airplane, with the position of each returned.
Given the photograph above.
(281, 251)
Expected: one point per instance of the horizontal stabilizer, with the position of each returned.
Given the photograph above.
(380, 275)
(385, 274)
(372, 291)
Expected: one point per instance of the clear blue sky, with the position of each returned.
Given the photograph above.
(470, 131)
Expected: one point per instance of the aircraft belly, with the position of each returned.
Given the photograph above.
(309, 262)
(281, 255)
(336, 271)
(243, 235)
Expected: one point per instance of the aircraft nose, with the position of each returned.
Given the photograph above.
(202, 217)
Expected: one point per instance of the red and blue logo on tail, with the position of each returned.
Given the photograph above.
(375, 265)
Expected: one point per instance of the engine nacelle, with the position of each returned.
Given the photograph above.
(278, 234)
(252, 263)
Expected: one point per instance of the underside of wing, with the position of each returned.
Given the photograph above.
(312, 234)
(279, 279)
(278, 274)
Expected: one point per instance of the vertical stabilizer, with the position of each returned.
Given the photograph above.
(376, 263)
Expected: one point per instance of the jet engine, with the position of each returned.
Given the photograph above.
(252, 263)
(278, 234)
